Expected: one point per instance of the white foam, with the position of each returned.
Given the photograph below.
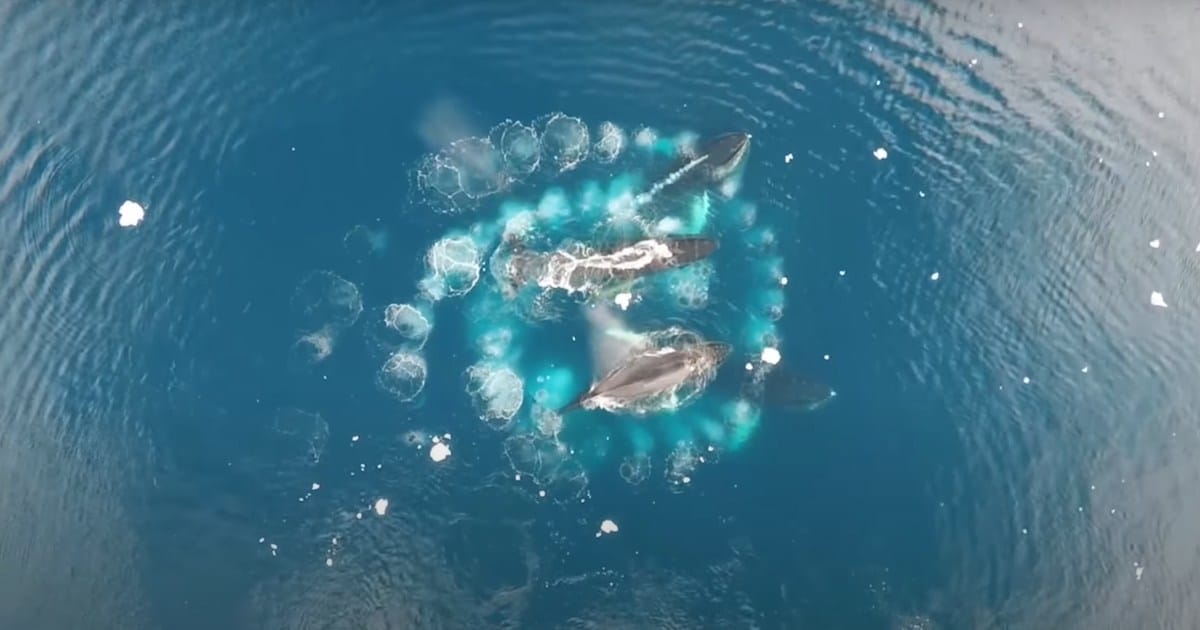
(381, 506)
(439, 451)
(771, 355)
(880, 153)
(1156, 299)
(131, 213)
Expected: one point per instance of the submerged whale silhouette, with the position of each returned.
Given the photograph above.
(651, 372)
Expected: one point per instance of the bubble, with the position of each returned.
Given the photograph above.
(303, 434)
(520, 147)
(361, 241)
(564, 141)
(408, 322)
(610, 144)
(402, 375)
(323, 298)
(311, 349)
(497, 393)
(480, 167)
(681, 463)
(414, 437)
(453, 266)
(635, 469)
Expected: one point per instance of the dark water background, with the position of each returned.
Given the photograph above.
(1035, 150)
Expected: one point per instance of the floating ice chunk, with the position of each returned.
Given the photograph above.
(1162, 114)
(1020, 25)
(542, 493)
(921, 194)
(771, 355)
(749, 366)
(1137, 571)
(328, 562)
(1198, 247)
(1025, 380)
(607, 527)
(1156, 299)
(354, 438)
(1084, 369)
(880, 153)
(262, 540)
(623, 300)
(131, 213)
(841, 272)
(787, 159)
(439, 452)
(316, 486)
(783, 281)
(381, 506)
(934, 276)
(1155, 243)
(827, 357)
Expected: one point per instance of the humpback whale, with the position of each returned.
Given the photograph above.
(713, 161)
(653, 372)
(581, 269)
(645, 370)
(637, 370)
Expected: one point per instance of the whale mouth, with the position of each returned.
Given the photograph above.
(727, 151)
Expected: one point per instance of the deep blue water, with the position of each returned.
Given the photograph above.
(153, 431)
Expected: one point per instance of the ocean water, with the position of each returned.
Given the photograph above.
(1014, 441)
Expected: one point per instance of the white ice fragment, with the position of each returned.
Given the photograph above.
(921, 194)
(623, 300)
(1084, 369)
(1198, 247)
(354, 438)
(542, 493)
(316, 486)
(934, 276)
(1025, 380)
(381, 506)
(358, 516)
(686, 479)
(787, 159)
(131, 213)
(328, 562)
(974, 61)
(749, 366)
(1162, 114)
(880, 153)
(262, 540)
(517, 477)
(783, 281)
(1155, 243)
(1024, 530)
(1137, 572)
(771, 355)
(609, 527)
(841, 272)
(439, 452)
(827, 357)
(1156, 299)
(274, 547)
(1020, 25)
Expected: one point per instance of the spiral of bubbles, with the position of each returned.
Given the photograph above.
(539, 247)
